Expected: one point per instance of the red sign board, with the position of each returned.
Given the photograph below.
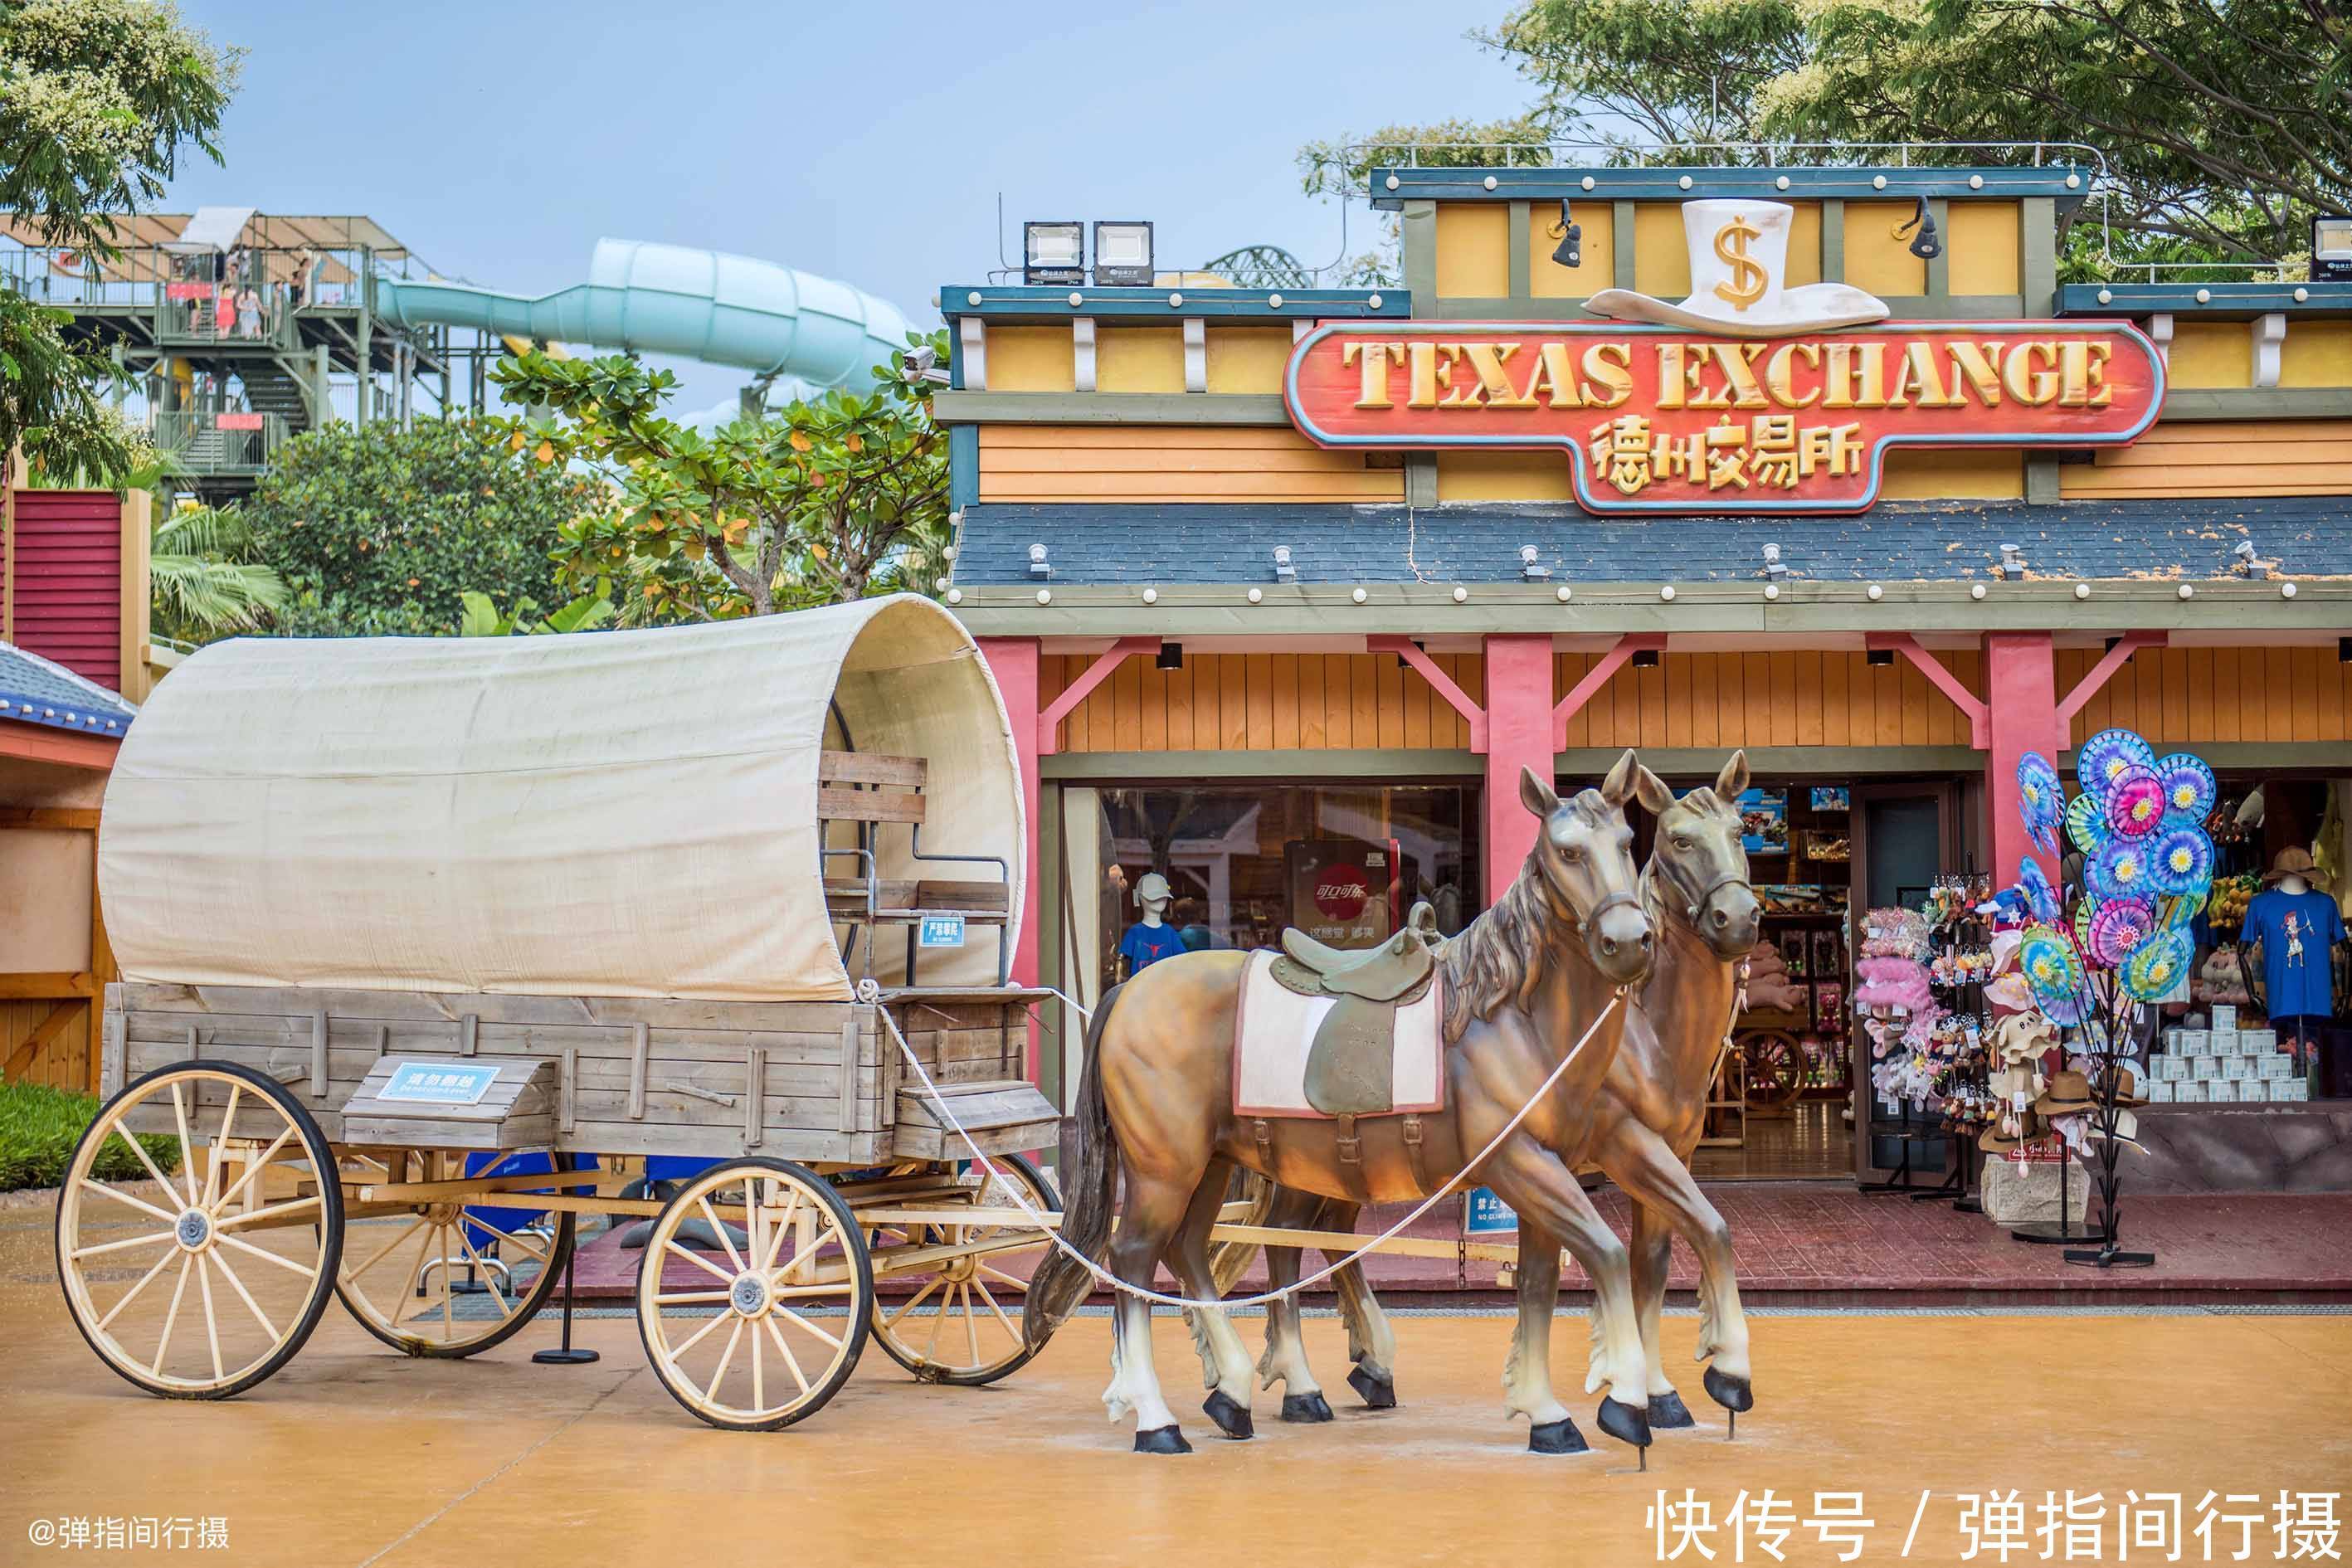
(1664, 419)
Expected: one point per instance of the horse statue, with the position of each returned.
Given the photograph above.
(1652, 1108)
(1539, 975)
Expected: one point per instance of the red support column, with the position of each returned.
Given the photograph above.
(2022, 716)
(1518, 735)
(1013, 662)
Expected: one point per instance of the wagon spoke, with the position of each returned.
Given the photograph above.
(530, 1249)
(247, 1297)
(782, 1228)
(253, 1169)
(255, 1216)
(140, 1204)
(507, 1308)
(912, 1303)
(212, 1318)
(970, 1327)
(187, 1154)
(759, 1372)
(412, 1283)
(999, 1312)
(938, 1321)
(79, 1253)
(267, 1257)
(695, 1338)
(811, 1328)
(155, 1368)
(448, 1284)
(791, 1359)
(725, 1240)
(378, 1255)
(228, 1119)
(1009, 1281)
(693, 1298)
(700, 1262)
(132, 1294)
(144, 1158)
(726, 1358)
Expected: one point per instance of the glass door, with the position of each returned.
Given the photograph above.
(1905, 836)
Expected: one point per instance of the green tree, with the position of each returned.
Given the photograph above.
(818, 502)
(379, 531)
(2223, 127)
(209, 583)
(97, 97)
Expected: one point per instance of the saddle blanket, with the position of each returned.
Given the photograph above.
(1274, 1031)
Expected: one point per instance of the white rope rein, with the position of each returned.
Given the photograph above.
(870, 991)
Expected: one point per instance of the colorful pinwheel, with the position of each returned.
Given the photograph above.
(2189, 787)
(2050, 965)
(2118, 928)
(2180, 862)
(2107, 754)
(2041, 898)
(2119, 870)
(2084, 825)
(2135, 801)
(2040, 799)
(2160, 964)
(2084, 910)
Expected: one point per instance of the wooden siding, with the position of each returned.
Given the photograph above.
(67, 580)
(2186, 696)
(2240, 458)
(63, 1058)
(1173, 463)
(1286, 701)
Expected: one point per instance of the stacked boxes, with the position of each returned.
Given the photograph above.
(2222, 1065)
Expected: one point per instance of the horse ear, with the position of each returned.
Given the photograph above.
(1618, 787)
(1732, 781)
(1652, 792)
(1537, 795)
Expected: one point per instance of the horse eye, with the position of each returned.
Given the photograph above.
(1681, 843)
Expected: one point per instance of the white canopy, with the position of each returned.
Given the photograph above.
(623, 814)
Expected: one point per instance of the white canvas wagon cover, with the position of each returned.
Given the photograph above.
(622, 814)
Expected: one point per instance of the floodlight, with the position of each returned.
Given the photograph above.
(1122, 254)
(1053, 253)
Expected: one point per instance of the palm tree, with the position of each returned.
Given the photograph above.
(208, 584)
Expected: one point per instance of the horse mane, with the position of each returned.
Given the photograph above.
(1491, 961)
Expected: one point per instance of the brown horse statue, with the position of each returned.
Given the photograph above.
(1523, 983)
(1653, 1107)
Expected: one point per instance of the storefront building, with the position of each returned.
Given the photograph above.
(1285, 586)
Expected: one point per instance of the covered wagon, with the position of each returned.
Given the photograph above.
(429, 947)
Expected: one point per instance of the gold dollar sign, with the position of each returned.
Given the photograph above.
(1746, 285)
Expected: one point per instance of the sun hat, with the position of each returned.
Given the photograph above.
(1738, 261)
(2296, 861)
(2069, 1094)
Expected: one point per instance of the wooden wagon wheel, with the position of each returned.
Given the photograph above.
(263, 1264)
(953, 1326)
(1775, 1066)
(404, 1268)
(800, 1290)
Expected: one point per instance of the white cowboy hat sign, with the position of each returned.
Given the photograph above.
(1738, 268)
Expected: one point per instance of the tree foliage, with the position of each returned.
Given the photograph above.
(380, 530)
(97, 97)
(821, 502)
(208, 581)
(2225, 124)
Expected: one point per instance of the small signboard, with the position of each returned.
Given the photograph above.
(440, 1083)
(1483, 1214)
(941, 931)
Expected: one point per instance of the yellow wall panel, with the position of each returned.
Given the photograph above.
(2221, 458)
(1804, 698)
(1980, 252)
(1136, 359)
(1875, 260)
(1031, 359)
(1173, 463)
(1917, 473)
(1547, 280)
(2178, 697)
(1661, 258)
(2317, 354)
(1474, 251)
(1255, 702)
(1804, 243)
(1247, 359)
(2211, 353)
(1505, 476)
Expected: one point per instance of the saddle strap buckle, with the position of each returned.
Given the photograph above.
(1351, 1148)
(1413, 1151)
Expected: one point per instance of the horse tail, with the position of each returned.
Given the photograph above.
(1229, 1260)
(1059, 1283)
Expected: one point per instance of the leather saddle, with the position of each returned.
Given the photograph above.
(1349, 1065)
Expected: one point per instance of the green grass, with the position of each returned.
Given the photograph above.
(39, 1127)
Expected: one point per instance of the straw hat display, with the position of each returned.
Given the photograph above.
(2295, 862)
(2069, 1094)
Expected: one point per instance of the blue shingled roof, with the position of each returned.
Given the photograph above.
(35, 690)
(1479, 542)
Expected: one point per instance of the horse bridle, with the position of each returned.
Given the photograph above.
(1697, 905)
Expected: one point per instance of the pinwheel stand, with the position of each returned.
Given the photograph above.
(2108, 1254)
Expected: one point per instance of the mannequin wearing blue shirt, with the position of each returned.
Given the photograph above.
(1150, 939)
(2295, 928)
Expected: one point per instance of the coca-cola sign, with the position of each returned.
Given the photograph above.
(1342, 890)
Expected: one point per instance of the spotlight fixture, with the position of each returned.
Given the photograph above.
(2252, 565)
(1644, 659)
(1531, 568)
(1038, 565)
(1122, 254)
(1053, 253)
(1283, 572)
(2012, 561)
(1773, 567)
(1879, 658)
(2331, 247)
(1571, 233)
(1925, 244)
(1171, 655)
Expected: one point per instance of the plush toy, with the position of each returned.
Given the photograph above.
(2222, 979)
(1891, 982)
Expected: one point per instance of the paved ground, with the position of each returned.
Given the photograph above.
(354, 1456)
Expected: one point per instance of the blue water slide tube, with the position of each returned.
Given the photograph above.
(669, 300)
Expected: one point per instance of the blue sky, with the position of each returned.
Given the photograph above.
(866, 141)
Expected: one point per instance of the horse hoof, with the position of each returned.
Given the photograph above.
(1667, 1412)
(1232, 1418)
(1732, 1393)
(1560, 1436)
(1304, 1407)
(1161, 1440)
(1624, 1423)
(1377, 1392)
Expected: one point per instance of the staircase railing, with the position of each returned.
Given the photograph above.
(205, 443)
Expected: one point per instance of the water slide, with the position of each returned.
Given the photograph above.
(698, 304)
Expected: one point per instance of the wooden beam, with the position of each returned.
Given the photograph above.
(1599, 675)
(1978, 713)
(84, 818)
(2103, 672)
(37, 986)
(1104, 666)
(48, 1029)
(1439, 681)
(39, 743)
